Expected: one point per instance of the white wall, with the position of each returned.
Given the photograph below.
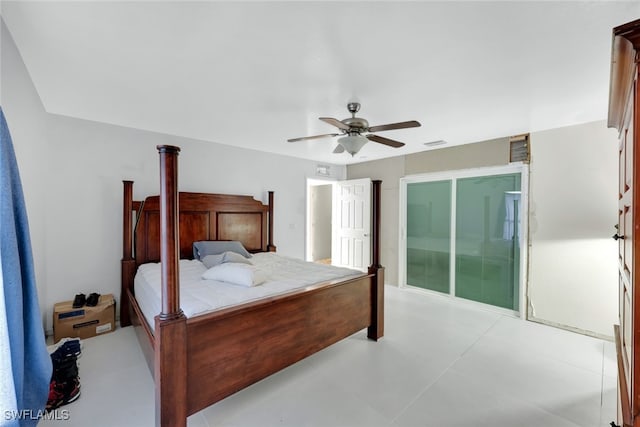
(573, 210)
(572, 280)
(73, 171)
(27, 122)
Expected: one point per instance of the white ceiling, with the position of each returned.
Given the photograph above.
(253, 74)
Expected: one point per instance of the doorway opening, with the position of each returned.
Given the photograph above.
(338, 226)
(319, 224)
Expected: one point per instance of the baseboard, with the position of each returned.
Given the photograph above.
(572, 329)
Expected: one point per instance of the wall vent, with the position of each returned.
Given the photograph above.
(323, 170)
(519, 150)
(434, 143)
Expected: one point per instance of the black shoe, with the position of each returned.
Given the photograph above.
(93, 299)
(64, 369)
(79, 301)
(62, 393)
(65, 347)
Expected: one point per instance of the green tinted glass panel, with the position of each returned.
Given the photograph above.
(487, 239)
(429, 235)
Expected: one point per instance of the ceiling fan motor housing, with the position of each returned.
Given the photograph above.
(356, 124)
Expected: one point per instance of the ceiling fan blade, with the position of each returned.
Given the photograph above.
(335, 122)
(304, 138)
(399, 125)
(339, 149)
(385, 141)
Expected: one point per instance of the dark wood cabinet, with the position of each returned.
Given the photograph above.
(623, 115)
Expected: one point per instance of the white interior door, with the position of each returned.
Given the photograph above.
(351, 224)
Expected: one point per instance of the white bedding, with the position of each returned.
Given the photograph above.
(199, 296)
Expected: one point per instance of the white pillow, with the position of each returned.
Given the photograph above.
(236, 274)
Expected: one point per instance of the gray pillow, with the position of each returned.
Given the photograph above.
(214, 247)
(234, 257)
(213, 260)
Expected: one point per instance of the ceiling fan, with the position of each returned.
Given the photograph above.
(352, 130)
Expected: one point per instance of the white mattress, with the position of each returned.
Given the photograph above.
(199, 296)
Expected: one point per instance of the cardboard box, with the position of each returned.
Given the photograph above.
(84, 322)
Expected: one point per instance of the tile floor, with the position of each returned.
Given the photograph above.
(441, 363)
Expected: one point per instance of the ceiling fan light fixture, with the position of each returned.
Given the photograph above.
(353, 143)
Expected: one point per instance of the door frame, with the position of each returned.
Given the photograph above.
(454, 175)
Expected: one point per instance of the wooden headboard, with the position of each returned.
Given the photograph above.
(205, 217)
(202, 216)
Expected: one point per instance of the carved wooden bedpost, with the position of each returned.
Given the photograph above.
(270, 246)
(170, 368)
(128, 264)
(376, 330)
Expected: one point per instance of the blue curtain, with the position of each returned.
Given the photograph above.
(24, 389)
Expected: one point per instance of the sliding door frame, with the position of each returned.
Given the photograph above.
(453, 176)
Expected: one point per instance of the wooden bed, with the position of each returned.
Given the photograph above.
(201, 360)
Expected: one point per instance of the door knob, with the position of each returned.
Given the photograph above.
(617, 236)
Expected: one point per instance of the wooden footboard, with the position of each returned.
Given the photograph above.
(199, 361)
(230, 350)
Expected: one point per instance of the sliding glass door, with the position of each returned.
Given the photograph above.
(487, 244)
(463, 236)
(429, 235)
